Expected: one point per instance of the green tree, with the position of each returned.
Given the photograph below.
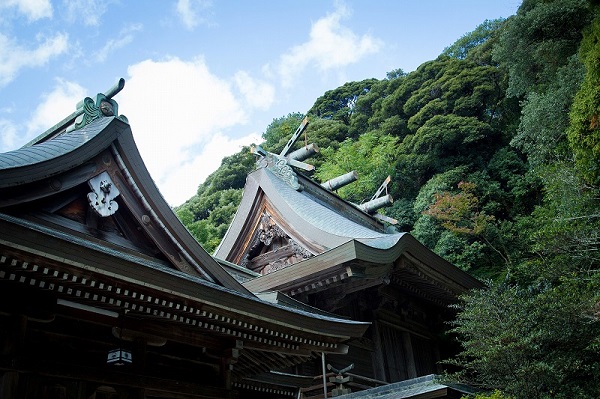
(372, 156)
(446, 141)
(473, 41)
(280, 130)
(339, 104)
(536, 334)
(584, 131)
(458, 221)
(460, 212)
(494, 395)
(539, 40)
(519, 341)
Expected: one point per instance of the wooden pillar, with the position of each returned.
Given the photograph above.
(140, 349)
(138, 393)
(226, 369)
(411, 368)
(140, 346)
(229, 358)
(437, 358)
(9, 385)
(14, 340)
(82, 390)
(378, 358)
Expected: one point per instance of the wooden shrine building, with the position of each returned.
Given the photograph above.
(104, 294)
(298, 239)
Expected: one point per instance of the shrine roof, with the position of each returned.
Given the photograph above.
(67, 159)
(319, 214)
(312, 214)
(51, 228)
(344, 242)
(169, 274)
(425, 386)
(24, 177)
(54, 148)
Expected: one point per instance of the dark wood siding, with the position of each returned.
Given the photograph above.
(424, 355)
(394, 355)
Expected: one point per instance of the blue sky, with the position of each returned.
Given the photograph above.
(204, 78)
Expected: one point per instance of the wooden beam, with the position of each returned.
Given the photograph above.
(295, 136)
(161, 386)
(411, 368)
(381, 188)
(301, 165)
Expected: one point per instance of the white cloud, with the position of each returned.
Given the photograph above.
(87, 11)
(55, 105)
(178, 111)
(331, 46)
(14, 57)
(183, 184)
(193, 12)
(8, 135)
(125, 37)
(258, 94)
(33, 9)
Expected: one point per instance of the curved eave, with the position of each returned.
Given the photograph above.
(333, 264)
(52, 250)
(131, 160)
(63, 153)
(44, 160)
(307, 218)
(407, 244)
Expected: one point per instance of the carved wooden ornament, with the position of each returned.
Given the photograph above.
(279, 166)
(102, 195)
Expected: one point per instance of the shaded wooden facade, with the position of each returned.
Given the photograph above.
(300, 239)
(93, 261)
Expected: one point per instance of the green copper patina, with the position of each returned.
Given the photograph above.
(87, 110)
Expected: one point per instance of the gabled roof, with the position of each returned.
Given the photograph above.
(81, 218)
(53, 167)
(343, 242)
(318, 218)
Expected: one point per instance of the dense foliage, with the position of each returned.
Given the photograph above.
(494, 153)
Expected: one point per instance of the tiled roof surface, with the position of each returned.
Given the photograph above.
(54, 148)
(384, 242)
(329, 220)
(406, 389)
(319, 215)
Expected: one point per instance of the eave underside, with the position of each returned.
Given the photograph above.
(343, 267)
(156, 305)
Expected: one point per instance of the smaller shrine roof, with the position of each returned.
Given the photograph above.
(427, 386)
(345, 242)
(319, 214)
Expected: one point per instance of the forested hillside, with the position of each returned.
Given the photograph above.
(494, 153)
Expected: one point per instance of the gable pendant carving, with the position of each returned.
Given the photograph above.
(271, 248)
(268, 230)
(101, 199)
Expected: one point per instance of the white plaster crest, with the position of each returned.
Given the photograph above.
(102, 195)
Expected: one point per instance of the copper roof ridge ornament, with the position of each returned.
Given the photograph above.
(104, 106)
(87, 110)
(281, 165)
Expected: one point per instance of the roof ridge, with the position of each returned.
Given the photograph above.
(63, 125)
